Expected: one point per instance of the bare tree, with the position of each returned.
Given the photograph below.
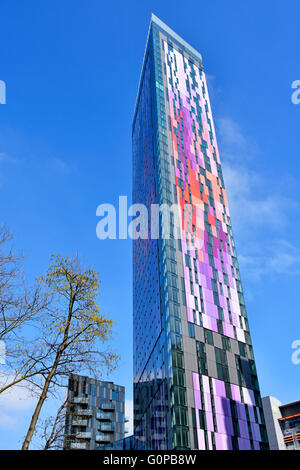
(18, 304)
(20, 307)
(72, 331)
(51, 431)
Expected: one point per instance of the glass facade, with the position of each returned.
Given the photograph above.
(195, 382)
(128, 443)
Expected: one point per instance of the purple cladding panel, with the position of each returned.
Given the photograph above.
(222, 442)
(244, 444)
(197, 394)
(221, 405)
(202, 197)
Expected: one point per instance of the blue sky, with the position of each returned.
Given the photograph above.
(71, 70)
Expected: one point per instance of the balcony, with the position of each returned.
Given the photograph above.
(110, 427)
(83, 435)
(82, 400)
(104, 415)
(107, 406)
(102, 438)
(79, 422)
(79, 445)
(87, 412)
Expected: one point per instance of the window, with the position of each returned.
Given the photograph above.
(191, 329)
(208, 337)
(242, 349)
(201, 354)
(179, 395)
(179, 377)
(181, 417)
(226, 343)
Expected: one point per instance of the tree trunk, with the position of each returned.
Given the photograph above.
(38, 408)
(43, 396)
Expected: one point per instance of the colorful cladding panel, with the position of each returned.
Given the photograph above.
(195, 383)
(214, 298)
(212, 280)
(217, 411)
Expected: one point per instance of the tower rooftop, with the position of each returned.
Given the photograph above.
(175, 37)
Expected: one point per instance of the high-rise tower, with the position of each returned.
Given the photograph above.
(195, 382)
(94, 415)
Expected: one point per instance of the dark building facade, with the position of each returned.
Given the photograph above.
(94, 413)
(195, 381)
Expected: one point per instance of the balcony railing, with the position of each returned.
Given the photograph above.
(79, 422)
(104, 415)
(79, 445)
(84, 435)
(87, 412)
(102, 438)
(107, 427)
(107, 406)
(83, 400)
